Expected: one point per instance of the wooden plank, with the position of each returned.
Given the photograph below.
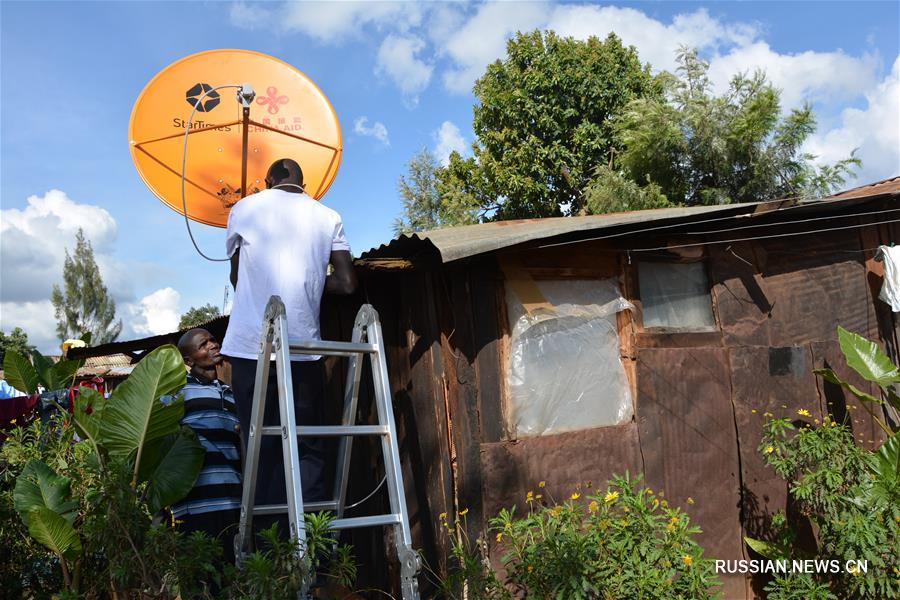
(461, 377)
(689, 444)
(649, 339)
(487, 293)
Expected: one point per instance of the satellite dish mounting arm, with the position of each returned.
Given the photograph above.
(245, 95)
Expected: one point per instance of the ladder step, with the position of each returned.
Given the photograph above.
(345, 523)
(281, 509)
(332, 348)
(331, 430)
(372, 521)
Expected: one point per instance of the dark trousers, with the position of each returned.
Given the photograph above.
(220, 525)
(309, 396)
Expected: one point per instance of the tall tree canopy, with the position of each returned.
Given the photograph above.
(16, 340)
(543, 122)
(694, 147)
(198, 315)
(427, 203)
(85, 306)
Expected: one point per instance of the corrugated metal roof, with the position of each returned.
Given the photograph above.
(884, 186)
(455, 243)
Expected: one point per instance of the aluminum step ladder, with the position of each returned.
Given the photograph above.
(366, 340)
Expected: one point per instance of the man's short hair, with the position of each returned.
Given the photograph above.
(285, 169)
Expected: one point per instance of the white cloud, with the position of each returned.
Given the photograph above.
(377, 130)
(36, 319)
(335, 22)
(449, 139)
(482, 39)
(156, 313)
(397, 59)
(34, 241)
(875, 130)
(825, 77)
(254, 15)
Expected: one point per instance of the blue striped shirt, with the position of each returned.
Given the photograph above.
(210, 411)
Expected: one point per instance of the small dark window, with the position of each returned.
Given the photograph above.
(675, 296)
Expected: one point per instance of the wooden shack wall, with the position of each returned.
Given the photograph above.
(699, 398)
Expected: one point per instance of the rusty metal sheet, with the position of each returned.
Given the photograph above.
(689, 444)
(778, 381)
(788, 296)
(564, 461)
(845, 407)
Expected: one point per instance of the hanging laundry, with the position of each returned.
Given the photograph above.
(890, 291)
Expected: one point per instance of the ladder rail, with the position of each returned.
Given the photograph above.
(367, 339)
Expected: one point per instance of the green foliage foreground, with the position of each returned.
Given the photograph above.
(82, 498)
(850, 494)
(624, 542)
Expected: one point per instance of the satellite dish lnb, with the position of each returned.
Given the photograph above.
(278, 112)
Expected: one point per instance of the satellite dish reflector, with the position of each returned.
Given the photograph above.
(289, 117)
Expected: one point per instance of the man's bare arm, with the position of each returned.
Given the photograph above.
(235, 258)
(343, 278)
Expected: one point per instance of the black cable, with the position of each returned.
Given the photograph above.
(187, 132)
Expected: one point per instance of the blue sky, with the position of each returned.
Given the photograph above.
(399, 76)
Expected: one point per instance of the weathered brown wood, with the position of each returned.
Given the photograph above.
(486, 291)
(431, 470)
(459, 358)
(649, 339)
(689, 444)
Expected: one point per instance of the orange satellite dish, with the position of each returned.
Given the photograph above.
(231, 143)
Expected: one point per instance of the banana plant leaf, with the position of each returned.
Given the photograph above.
(832, 377)
(88, 412)
(887, 462)
(54, 532)
(19, 372)
(63, 374)
(170, 466)
(38, 486)
(134, 415)
(866, 358)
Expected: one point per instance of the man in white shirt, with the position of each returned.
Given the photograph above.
(281, 242)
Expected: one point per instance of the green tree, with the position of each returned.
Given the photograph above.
(702, 149)
(544, 121)
(426, 205)
(86, 306)
(16, 340)
(198, 315)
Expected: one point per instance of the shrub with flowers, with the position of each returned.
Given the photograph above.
(621, 542)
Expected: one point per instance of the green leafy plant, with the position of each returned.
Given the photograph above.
(26, 376)
(626, 542)
(851, 495)
(135, 458)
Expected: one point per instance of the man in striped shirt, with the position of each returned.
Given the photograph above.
(214, 505)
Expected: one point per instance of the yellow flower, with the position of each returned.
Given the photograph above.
(464, 512)
(770, 449)
(665, 504)
(539, 496)
(499, 536)
(442, 516)
(753, 410)
(768, 414)
(575, 496)
(803, 412)
(611, 497)
(529, 496)
(687, 559)
(592, 507)
(661, 494)
(530, 568)
(690, 500)
(670, 527)
(542, 484)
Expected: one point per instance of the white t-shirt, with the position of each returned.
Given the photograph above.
(285, 241)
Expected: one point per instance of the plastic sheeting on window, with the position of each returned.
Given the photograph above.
(565, 372)
(675, 296)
